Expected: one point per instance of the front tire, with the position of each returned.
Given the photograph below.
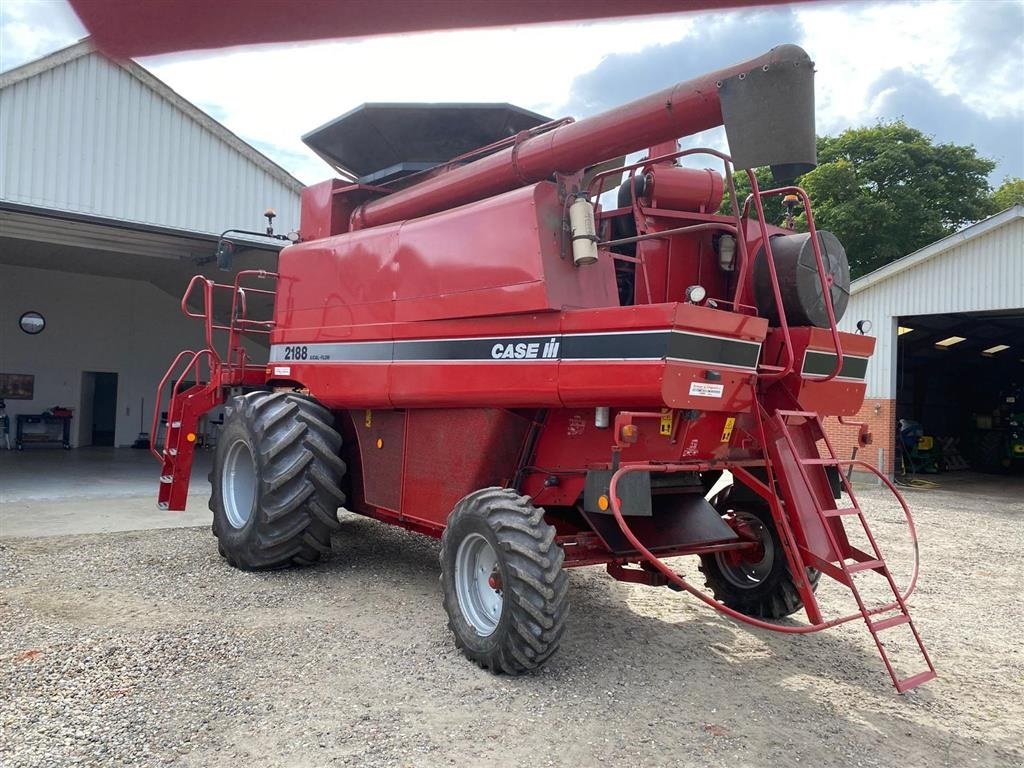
(761, 585)
(502, 581)
(276, 481)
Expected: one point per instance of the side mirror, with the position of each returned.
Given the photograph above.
(225, 255)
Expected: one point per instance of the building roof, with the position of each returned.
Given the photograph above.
(937, 248)
(85, 47)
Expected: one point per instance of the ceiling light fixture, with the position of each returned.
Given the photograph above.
(949, 342)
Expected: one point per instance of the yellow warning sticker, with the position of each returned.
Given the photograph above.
(369, 418)
(727, 432)
(665, 428)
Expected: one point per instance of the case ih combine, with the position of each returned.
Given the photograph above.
(468, 344)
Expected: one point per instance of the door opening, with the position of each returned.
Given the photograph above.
(99, 408)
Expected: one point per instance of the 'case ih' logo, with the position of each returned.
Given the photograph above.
(525, 350)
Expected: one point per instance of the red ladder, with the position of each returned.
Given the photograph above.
(841, 570)
(183, 412)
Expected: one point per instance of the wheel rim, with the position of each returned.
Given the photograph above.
(478, 584)
(748, 573)
(238, 484)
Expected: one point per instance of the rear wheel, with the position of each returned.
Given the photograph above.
(756, 583)
(502, 581)
(275, 481)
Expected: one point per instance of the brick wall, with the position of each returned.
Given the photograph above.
(880, 414)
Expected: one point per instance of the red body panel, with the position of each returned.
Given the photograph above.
(841, 396)
(494, 257)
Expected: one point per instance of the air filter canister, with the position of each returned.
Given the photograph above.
(799, 284)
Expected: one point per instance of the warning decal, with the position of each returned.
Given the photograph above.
(727, 431)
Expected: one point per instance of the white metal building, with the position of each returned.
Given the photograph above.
(949, 323)
(113, 191)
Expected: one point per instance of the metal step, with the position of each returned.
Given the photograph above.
(841, 512)
(913, 681)
(867, 565)
(166, 478)
(893, 621)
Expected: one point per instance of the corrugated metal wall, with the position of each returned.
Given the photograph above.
(88, 137)
(983, 274)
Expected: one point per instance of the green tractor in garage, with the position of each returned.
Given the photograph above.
(998, 444)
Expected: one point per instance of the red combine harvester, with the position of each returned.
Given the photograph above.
(468, 344)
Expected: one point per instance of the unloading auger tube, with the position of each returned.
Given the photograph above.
(615, 505)
(766, 105)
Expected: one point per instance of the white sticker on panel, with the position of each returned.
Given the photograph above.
(703, 389)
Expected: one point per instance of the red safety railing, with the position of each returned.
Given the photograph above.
(756, 196)
(239, 323)
(193, 365)
(674, 578)
(738, 230)
(226, 366)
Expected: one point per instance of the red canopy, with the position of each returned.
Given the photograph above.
(123, 28)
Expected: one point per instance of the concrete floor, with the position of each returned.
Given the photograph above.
(52, 492)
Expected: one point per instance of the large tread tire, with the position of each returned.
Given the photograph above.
(534, 586)
(299, 472)
(775, 596)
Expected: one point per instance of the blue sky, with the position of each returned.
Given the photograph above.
(951, 69)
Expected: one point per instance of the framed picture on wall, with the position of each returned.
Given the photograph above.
(17, 386)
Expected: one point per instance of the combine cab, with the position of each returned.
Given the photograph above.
(469, 344)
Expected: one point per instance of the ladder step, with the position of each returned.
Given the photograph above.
(175, 425)
(801, 414)
(172, 451)
(841, 512)
(893, 621)
(913, 681)
(166, 478)
(867, 565)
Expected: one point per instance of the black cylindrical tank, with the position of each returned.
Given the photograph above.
(799, 284)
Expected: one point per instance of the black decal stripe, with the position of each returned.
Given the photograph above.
(715, 350)
(429, 350)
(823, 363)
(615, 346)
(630, 345)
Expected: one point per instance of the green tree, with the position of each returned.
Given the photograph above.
(1010, 192)
(888, 190)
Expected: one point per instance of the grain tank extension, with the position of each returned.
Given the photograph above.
(473, 342)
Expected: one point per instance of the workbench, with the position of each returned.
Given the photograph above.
(48, 435)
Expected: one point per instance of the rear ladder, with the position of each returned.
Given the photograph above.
(839, 568)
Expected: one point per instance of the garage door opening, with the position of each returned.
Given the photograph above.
(99, 409)
(960, 392)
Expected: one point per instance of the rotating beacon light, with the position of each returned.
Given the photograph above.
(583, 232)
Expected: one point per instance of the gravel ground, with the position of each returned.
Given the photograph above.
(143, 648)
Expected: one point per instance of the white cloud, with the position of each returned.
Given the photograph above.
(273, 95)
(32, 28)
(852, 46)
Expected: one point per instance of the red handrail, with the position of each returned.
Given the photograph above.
(679, 581)
(756, 196)
(770, 372)
(193, 363)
